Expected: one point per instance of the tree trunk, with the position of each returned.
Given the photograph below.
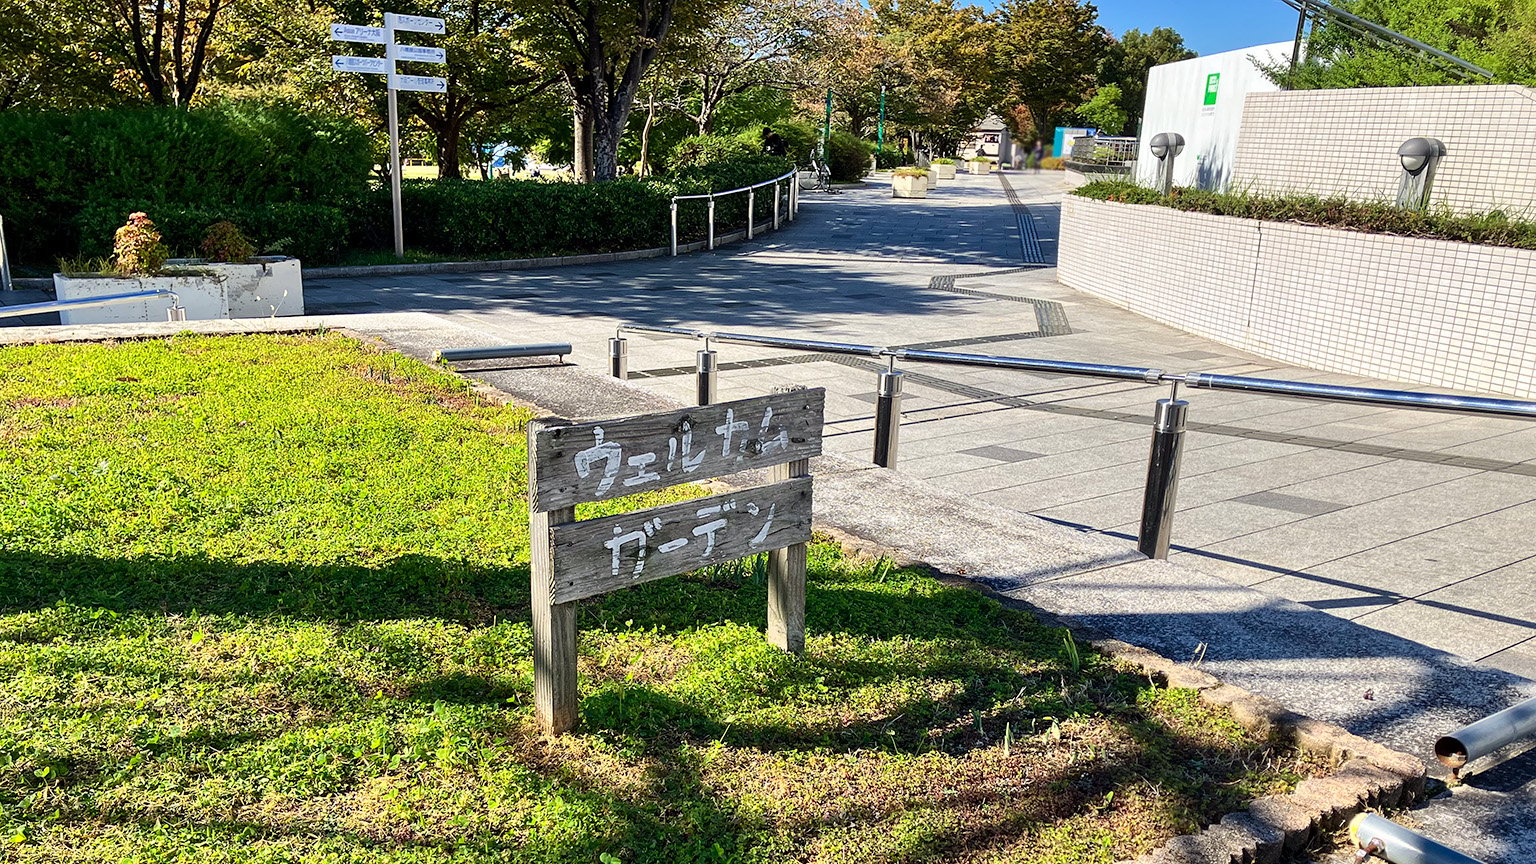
(581, 125)
(605, 146)
(645, 138)
(448, 151)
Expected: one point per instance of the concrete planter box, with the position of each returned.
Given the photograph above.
(1413, 309)
(977, 167)
(932, 178)
(264, 288)
(909, 187)
(944, 172)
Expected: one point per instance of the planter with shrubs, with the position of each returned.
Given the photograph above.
(944, 169)
(909, 182)
(229, 281)
(979, 165)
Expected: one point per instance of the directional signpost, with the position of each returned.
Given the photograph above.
(393, 53)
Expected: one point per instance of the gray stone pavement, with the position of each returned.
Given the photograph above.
(1409, 522)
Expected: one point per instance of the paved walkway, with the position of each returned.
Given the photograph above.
(1410, 522)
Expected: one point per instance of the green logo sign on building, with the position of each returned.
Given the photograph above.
(1212, 83)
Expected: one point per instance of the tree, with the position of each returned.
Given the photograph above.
(756, 46)
(1104, 112)
(1499, 35)
(943, 60)
(165, 43)
(603, 49)
(1048, 54)
(1127, 61)
(47, 59)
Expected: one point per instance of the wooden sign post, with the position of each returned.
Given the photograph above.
(569, 464)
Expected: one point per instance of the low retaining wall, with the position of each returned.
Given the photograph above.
(1430, 312)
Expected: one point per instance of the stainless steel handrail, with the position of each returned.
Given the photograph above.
(85, 302)
(786, 178)
(1201, 380)
(1169, 422)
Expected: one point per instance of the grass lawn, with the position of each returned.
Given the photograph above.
(264, 599)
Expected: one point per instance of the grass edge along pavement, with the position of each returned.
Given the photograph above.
(207, 660)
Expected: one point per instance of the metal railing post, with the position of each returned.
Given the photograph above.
(888, 416)
(711, 221)
(5, 261)
(708, 373)
(674, 227)
(618, 358)
(1162, 477)
(751, 212)
(776, 196)
(794, 197)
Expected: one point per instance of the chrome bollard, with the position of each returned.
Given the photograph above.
(751, 213)
(1162, 477)
(708, 370)
(711, 220)
(888, 417)
(777, 195)
(674, 229)
(618, 358)
(177, 312)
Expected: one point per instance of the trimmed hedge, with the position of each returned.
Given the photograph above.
(1372, 217)
(236, 157)
(312, 232)
(848, 156)
(536, 218)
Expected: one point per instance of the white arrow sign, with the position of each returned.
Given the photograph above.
(422, 83)
(418, 23)
(421, 54)
(371, 65)
(358, 33)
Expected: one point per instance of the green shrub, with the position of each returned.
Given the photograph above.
(909, 171)
(892, 158)
(942, 161)
(848, 156)
(800, 139)
(315, 233)
(225, 243)
(231, 155)
(1376, 217)
(136, 247)
(1053, 163)
(707, 149)
(532, 218)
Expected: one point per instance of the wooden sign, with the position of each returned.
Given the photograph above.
(598, 461)
(569, 464)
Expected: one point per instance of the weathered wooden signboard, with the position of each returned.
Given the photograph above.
(569, 464)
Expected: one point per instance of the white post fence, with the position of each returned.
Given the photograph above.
(793, 200)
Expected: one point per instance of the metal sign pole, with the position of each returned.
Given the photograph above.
(394, 137)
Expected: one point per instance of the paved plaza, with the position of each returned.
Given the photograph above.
(1410, 522)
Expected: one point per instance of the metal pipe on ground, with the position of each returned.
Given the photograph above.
(888, 417)
(501, 352)
(1162, 487)
(1486, 736)
(1386, 839)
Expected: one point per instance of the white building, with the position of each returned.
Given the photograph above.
(1202, 99)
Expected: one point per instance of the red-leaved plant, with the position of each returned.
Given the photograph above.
(136, 247)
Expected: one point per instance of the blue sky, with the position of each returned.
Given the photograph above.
(1208, 26)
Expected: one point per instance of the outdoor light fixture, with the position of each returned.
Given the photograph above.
(1166, 146)
(1419, 157)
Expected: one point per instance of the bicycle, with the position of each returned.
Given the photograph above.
(822, 179)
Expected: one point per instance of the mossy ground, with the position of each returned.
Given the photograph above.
(264, 599)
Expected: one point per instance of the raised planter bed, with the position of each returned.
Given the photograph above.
(262, 288)
(909, 185)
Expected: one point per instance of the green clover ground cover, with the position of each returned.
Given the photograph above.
(264, 599)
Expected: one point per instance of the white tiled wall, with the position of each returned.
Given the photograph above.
(1345, 142)
(1406, 309)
